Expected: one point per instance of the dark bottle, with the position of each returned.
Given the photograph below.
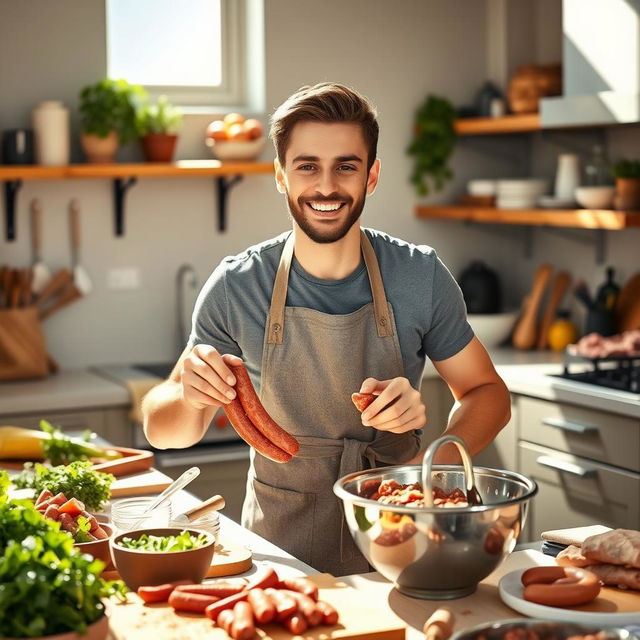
(607, 294)
(481, 288)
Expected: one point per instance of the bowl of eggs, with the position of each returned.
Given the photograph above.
(235, 138)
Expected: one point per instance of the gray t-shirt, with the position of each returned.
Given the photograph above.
(231, 310)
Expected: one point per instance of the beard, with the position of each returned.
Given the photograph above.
(324, 233)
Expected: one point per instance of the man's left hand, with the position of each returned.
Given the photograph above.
(398, 407)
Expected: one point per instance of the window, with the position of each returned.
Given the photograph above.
(194, 50)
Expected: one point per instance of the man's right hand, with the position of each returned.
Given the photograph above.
(206, 379)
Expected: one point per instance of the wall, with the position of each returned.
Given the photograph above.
(395, 53)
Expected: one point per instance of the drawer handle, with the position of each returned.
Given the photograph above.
(573, 427)
(566, 467)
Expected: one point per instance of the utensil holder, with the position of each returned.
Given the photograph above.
(23, 352)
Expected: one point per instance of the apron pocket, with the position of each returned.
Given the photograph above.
(284, 517)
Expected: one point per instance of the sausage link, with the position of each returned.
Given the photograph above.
(362, 400)
(213, 611)
(44, 496)
(52, 512)
(329, 613)
(225, 620)
(218, 589)
(302, 585)
(263, 608)
(560, 586)
(285, 605)
(257, 413)
(193, 602)
(250, 434)
(267, 579)
(307, 607)
(296, 623)
(243, 627)
(157, 593)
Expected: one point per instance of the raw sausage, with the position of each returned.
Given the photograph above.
(296, 623)
(218, 589)
(329, 614)
(267, 579)
(362, 400)
(243, 626)
(263, 608)
(302, 585)
(307, 607)
(250, 434)
(257, 413)
(193, 602)
(213, 611)
(284, 603)
(157, 593)
(560, 586)
(225, 620)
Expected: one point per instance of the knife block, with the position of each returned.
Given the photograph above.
(23, 352)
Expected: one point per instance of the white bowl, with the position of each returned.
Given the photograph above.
(522, 186)
(481, 187)
(595, 197)
(492, 329)
(232, 150)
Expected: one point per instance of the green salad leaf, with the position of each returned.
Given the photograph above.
(182, 542)
(4, 483)
(47, 586)
(77, 480)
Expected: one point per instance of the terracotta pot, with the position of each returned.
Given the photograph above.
(99, 150)
(627, 196)
(99, 630)
(159, 147)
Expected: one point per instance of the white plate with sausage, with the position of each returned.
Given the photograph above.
(610, 608)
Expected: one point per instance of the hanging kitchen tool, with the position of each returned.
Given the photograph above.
(524, 335)
(212, 504)
(59, 292)
(559, 286)
(41, 273)
(80, 276)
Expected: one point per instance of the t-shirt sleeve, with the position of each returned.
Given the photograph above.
(210, 322)
(449, 331)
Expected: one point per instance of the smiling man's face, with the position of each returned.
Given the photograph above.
(325, 178)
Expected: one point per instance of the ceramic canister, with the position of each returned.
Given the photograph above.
(567, 176)
(50, 121)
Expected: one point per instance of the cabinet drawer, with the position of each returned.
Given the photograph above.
(67, 421)
(584, 493)
(600, 436)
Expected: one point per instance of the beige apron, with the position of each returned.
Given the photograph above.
(311, 363)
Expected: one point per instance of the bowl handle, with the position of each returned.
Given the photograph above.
(473, 497)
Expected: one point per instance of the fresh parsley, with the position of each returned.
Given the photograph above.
(182, 542)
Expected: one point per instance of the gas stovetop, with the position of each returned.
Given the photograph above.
(622, 373)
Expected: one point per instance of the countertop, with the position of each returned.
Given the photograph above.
(524, 372)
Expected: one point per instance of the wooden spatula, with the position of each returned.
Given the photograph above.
(628, 306)
(524, 335)
(559, 286)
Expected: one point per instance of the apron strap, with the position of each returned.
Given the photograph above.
(275, 330)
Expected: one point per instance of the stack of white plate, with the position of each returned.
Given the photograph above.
(520, 193)
(481, 188)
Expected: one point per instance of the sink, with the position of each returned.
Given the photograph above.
(159, 369)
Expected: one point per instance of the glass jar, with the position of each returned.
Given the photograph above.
(209, 522)
(126, 514)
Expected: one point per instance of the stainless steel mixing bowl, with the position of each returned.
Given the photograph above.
(437, 552)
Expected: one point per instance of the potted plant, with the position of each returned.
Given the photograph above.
(49, 589)
(433, 141)
(108, 117)
(627, 175)
(158, 125)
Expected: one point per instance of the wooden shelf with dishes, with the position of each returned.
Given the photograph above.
(124, 176)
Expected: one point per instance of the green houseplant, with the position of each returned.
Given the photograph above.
(47, 587)
(157, 125)
(433, 141)
(627, 175)
(108, 117)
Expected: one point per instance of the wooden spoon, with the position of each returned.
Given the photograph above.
(560, 284)
(524, 335)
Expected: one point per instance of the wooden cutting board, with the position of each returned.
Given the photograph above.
(229, 559)
(361, 616)
(136, 484)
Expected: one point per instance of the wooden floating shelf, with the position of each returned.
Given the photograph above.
(504, 124)
(580, 218)
(124, 176)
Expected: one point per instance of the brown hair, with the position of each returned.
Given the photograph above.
(325, 102)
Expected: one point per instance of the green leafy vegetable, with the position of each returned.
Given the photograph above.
(60, 448)
(4, 483)
(182, 542)
(47, 586)
(77, 479)
(82, 533)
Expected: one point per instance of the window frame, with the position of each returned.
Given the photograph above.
(233, 89)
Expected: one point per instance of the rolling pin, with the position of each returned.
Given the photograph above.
(439, 625)
(559, 286)
(524, 335)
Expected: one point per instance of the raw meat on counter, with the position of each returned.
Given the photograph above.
(593, 345)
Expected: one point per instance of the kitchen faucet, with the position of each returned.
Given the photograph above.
(186, 273)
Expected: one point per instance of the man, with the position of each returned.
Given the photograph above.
(351, 310)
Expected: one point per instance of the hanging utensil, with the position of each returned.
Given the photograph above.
(41, 273)
(212, 504)
(80, 276)
(176, 485)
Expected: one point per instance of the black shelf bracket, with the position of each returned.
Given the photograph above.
(120, 188)
(11, 188)
(223, 185)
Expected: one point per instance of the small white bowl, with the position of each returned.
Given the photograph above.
(232, 150)
(595, 197)
(492, 329)
(481, 187)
